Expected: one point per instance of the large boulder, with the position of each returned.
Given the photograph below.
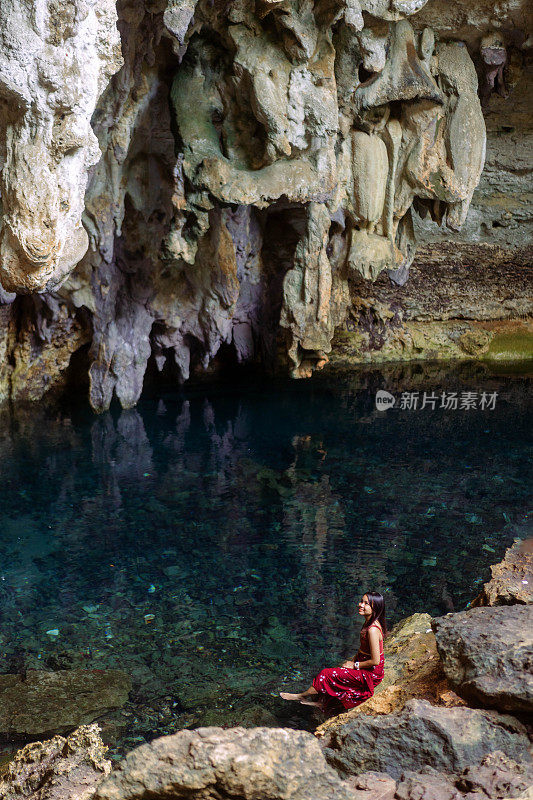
(58, 769)
(447, 739)
(487, 655)
(42, 704)
(512, 578)
(210, 763)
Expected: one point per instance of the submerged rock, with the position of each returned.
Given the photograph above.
(210, 763)
(45, 703)
(448, 739)
(58, 769)
(487, 655)
(512, 578)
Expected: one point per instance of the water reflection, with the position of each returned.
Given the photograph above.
(212, 545)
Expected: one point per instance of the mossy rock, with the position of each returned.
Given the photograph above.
(475, 342)
(511, 346)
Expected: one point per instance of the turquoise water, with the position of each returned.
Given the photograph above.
(214, 544)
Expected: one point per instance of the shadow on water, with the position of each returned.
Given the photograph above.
(214, 542)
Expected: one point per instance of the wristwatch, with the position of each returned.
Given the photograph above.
(356, 664)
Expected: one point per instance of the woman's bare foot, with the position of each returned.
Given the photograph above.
(289, 696)
(301, 697)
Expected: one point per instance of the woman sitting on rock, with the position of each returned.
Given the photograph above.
(354, 681)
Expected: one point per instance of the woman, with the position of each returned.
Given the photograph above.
(354, 681)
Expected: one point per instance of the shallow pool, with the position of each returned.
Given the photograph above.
(214, 543)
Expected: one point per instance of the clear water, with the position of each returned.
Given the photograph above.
(214, 544)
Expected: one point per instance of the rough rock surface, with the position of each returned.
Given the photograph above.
(447, 739)
(487, 654)
(461, 301)
(497, 776)
(237, 763)
(241, 227)
(257, 764)
(372, 785)
(58, 769)
(55, 61)
(46, 703)
(512, 578)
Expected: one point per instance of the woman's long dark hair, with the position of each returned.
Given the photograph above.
(377, 604)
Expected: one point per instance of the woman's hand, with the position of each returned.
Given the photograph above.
(348, 665)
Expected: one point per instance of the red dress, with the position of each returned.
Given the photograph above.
(351, 686)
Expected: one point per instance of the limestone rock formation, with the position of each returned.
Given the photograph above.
(262, 763)
(447, 739)
(256, 162)
(512, 578)
(55, 61)
(497, 776)
(214, 763)
(57, 769)
(399, 135)
(461, 301)
(46, 703)
(487, 654)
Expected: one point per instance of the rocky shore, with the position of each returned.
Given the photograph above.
(449, 721)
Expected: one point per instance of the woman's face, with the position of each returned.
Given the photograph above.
(364, 606)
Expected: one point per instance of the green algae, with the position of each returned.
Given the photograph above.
(511, 346)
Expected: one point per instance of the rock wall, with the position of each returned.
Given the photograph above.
(263, 173)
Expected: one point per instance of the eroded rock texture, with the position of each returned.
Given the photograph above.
(211, 763)
(55, 61)
(487, 655)
(512, 579)
(256, 161)
(57, 769)
(262, 764)
(448, 739)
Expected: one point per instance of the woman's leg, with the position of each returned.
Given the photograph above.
(300, 695)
